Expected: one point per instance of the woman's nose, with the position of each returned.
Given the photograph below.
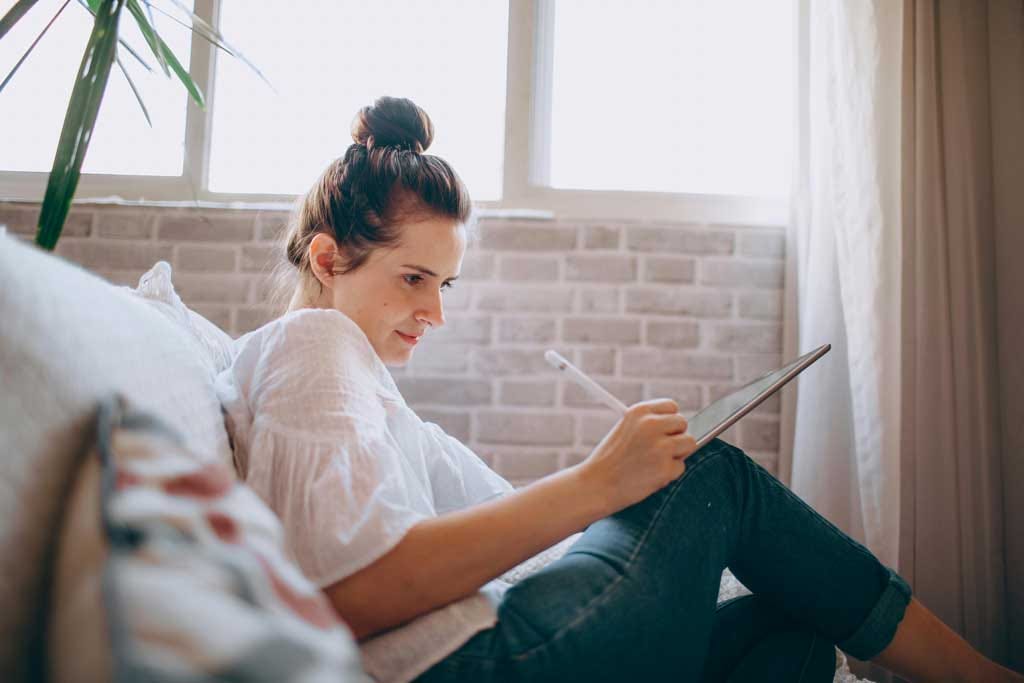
(433, 311)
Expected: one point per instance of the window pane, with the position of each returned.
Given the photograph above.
(673, 96)
(33, 105)
(333, 57)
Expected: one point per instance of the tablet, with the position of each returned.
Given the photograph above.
(723, 413)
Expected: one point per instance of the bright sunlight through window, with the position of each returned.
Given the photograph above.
(333, 57)
(673, 96)
(33, 104)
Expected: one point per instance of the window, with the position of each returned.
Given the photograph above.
(33, 104)
(631, 109)
(335, 57)
(672, 96)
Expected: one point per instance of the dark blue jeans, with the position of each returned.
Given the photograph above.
(635, 597)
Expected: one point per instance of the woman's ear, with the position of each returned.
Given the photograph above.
(323, 255)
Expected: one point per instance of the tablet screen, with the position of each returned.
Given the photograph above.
(720, 415)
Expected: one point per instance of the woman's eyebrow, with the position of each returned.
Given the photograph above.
(426, 271)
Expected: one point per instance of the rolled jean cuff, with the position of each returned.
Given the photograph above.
(879, 627)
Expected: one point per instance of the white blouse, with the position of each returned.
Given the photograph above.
(322, 434)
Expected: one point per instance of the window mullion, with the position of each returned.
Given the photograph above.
(197, 123)
(528, 84)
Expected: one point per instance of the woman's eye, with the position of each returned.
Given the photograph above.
(446, 285)
(413, 279)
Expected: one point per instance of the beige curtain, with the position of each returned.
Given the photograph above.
(952, 455)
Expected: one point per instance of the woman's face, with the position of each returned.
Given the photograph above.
(395, 296)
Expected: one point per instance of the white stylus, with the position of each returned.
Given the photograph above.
(588, 385)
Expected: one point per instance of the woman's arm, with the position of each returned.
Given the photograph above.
(449, 557)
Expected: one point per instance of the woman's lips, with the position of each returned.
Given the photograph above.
(407, 339)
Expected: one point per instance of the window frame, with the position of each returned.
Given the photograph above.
(525, 166)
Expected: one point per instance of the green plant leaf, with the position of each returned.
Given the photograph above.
(158, 44)
(31, 47)
(79, 122)
(211, 34)
(120, 41)
(135, 91)
(15, 13)
(152, 39)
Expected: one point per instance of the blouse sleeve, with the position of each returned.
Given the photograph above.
(320, 452)
(459, 478)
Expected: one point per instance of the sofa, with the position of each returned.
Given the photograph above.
(68, 341)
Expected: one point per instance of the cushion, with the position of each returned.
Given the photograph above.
(214, 343)
(68, 337)
(170, 569)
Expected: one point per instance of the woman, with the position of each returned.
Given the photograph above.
(408, 532)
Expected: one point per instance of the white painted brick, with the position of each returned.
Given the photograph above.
(121, 225)
(453, 422)
(749, 368)
(686, 240)
(203, 288)
(519, 268)
(679, 269)
(127, 278)
(552, 299)
(601, 237)
(432, 357)
(248, 318)
(673, 334)
(758, 434)
(20, 220)
(446, 390)
(271, 225)
(526, 237)
(193, 227)
(650, 363)
(458, 297)
(533, 428)
(594, 426)
(517, 362)
(746, 337)
(597, 361)
(112, 255)
(463, 329)
(604, 300)
(679, 301)
(205, 258)
(761, 243)
(572, 458)
(523, 464)
(627, 392)
(520, 329)
(760, 305)
(601, 330)
(261, 258)
(79, 223)
(477, 266)
(600, 268)
(728, 273)
(688, 396)
(219, 315)
(516, 392)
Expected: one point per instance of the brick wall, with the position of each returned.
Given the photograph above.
(678, 310)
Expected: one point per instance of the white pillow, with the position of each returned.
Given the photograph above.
(156, 287)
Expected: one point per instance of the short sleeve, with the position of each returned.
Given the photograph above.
(459, 478)
(319, 450)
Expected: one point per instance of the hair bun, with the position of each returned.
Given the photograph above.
(393, 122)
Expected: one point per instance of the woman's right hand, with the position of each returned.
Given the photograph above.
(642, 453)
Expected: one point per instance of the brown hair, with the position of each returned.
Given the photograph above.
(362, 197)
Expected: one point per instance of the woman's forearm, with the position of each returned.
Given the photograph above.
(449, 557)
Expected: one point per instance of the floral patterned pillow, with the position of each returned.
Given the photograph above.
(192, 575)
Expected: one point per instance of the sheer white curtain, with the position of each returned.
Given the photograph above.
(845, 268)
